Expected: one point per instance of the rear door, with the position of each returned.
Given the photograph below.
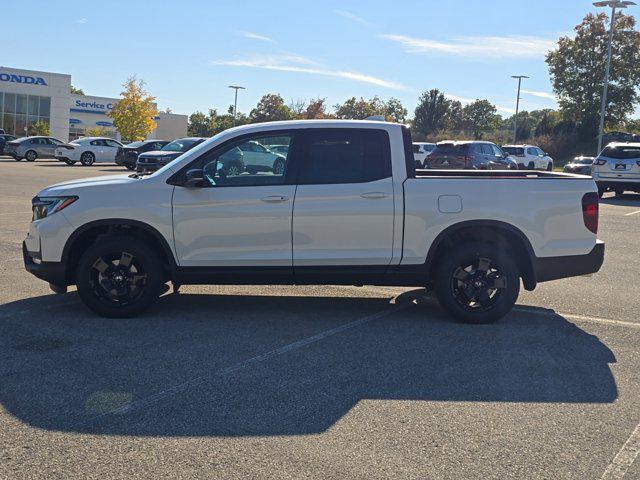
(343, 211)
(110, 150)
(622, 161)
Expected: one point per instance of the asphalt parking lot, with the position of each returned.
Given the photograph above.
(317, 382)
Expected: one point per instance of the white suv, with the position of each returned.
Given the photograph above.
(529, 157)
(617, 168)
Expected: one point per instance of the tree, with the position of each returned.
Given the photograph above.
(453, 120)
(133, 114)
(577, 70)
(353, 109)
(479, 117)
(431, 114)
(96, 132)
(199, 125)
(39, 128)
(76, 91)
(271, 108)
(394, 111)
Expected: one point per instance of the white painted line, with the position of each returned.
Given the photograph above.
(632, 213)
(625, 457)
(145, 402)
(572, 316)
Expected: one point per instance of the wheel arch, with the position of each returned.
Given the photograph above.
(493, 231)
(87, 234)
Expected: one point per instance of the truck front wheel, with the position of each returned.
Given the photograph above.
(119, 277)
(477, 282)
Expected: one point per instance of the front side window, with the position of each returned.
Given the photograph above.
(496, 151)
(345, 156)
(112, 143)
(241, 164)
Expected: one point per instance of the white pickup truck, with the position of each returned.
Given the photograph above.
(348, 208)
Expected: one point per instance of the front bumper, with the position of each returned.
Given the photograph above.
(553, 268)
(52, 272)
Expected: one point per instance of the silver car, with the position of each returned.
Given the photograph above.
(31, 148)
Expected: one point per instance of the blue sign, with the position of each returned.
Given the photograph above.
(104, 124)
(74, 121)
(13, 78)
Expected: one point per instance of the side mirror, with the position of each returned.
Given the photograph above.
(194, 178)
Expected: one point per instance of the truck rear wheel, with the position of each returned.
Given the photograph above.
(119, 277)
(477, 282)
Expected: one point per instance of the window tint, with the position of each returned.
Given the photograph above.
(345, 156)
(236, 166)
(112, 143)
(519, 151)
(416, 149)
(532, 151)
(496, 151)
(486, 149)
(452, 148)
(621, 152)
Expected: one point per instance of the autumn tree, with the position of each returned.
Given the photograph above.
(577, 70)
(39, 128)
(394, 111)
(76, 91)
(134, 113)
(271, 108)
(360, 109)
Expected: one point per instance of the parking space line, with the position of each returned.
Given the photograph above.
(631, 213)
(624, 458)
(149, 400)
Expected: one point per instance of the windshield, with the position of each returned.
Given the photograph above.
(181, 145)
(135, 144)
(514, 150)
(583, 161)
(621, 152)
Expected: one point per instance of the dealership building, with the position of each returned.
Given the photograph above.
(28, 96)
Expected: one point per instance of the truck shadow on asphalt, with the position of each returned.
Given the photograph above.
(182, 370)
(626, 200)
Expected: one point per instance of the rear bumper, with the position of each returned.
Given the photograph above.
(618, 184)
(52, 272)
(553, 268)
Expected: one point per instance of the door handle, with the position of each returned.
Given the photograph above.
(374, 195)
(274, 199)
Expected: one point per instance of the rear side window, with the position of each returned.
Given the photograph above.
(514, 150)
(416, 149)
(621, 152)
(345, 156)
(452, 148)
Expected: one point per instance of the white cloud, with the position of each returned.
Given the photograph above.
(257, 36)
(353, 17)
(82, 20)
(465, 101)
(297, 64)
(477, 46)
(547, 95)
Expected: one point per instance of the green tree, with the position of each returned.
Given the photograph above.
(271, 108)
(76, 91)
(39, 128)
(453, 119)
(198, 125)
(134, 113)
(480, 117)
(394, 111)
(577, 70)
(359, 109)
(431, 113)
(315, 109)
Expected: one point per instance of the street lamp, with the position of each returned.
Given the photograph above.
(515, 121)
(613, 4)
(235, 102)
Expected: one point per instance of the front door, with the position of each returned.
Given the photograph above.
(241, 220)
(344, 206)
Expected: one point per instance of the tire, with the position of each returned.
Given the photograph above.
(531, 166)
(619, 193)
(17, 159)
(278, 166)
(550, 167)
(31, 156)
(70, 162)
(130, 167)
(601, 192)
(234, 169)
(87, 159)
(116, 291)
(465, 277)
(252, 171)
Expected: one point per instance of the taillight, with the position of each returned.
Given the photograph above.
(599, 161)
(590, 211)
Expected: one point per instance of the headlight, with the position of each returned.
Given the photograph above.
(44, 206)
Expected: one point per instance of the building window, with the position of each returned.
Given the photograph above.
(18, 112)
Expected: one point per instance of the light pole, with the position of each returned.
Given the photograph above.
(613, 4)
(235, 102)
(515, 121)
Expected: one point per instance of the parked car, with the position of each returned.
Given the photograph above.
(279, 149)
(530, 157)
(469, 155)
(4, 138)
(617, 168)
(153, 160)
(581, 165)
(88, 150)
(127, 155)
(420, 151)
(258, 158)
(349, 208)
(31, 148)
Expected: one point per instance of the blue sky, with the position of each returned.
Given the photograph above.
(189, 51)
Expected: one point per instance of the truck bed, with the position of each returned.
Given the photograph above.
(511, 174)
